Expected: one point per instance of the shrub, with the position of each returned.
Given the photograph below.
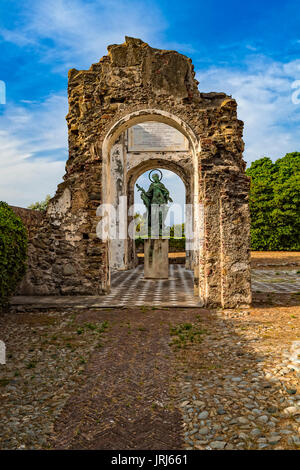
(40, 205)
(13, 249)
(175, 244)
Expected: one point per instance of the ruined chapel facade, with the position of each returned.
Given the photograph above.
(133, 84)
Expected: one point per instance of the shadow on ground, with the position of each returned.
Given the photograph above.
(168, 378)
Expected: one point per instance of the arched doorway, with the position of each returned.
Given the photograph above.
(125, 162)
(175, 221)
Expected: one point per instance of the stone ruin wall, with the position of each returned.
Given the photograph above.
(66, 256)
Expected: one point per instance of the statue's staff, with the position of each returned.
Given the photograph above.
(140, 188)
(144, 196)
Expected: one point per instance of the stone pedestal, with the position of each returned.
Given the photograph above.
(156, 262)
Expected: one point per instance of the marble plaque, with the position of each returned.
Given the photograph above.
(155, 136)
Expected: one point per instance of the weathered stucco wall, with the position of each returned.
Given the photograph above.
(66, 256)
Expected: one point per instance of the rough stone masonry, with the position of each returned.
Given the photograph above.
(137, 83)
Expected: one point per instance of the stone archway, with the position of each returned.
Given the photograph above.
(187, 179)
(132, 84)
(182, 163)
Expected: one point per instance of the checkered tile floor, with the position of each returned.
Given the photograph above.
(130, 288)
(270, 280)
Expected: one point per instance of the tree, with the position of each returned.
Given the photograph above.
(275, 203)
(42, 205)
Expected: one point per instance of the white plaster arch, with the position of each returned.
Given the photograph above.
(145, 115)
(136, 171)
(183, 173)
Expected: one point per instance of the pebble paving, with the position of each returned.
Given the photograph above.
(236, 388)
(245, 393)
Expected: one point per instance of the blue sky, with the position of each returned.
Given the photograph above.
(249, 50)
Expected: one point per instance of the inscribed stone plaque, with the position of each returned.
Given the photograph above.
(155, 136)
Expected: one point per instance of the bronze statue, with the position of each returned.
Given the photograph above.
(156, 201)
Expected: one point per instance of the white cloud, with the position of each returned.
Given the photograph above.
(75, 33)
(263, 90)
(28, 182)
(33, 136)
(65, 33)
(33, 143)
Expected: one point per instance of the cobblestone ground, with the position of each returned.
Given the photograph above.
(240, 384)
(153, 378)
(93, 380)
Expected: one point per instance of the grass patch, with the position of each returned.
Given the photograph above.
(31, 365)
(186, 334)
(104, 325)
(90, 326)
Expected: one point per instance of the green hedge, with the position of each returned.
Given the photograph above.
(175, 244)
(13, 249)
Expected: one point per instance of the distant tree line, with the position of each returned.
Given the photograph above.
(275, 203)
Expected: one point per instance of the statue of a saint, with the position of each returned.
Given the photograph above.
(156, 201)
